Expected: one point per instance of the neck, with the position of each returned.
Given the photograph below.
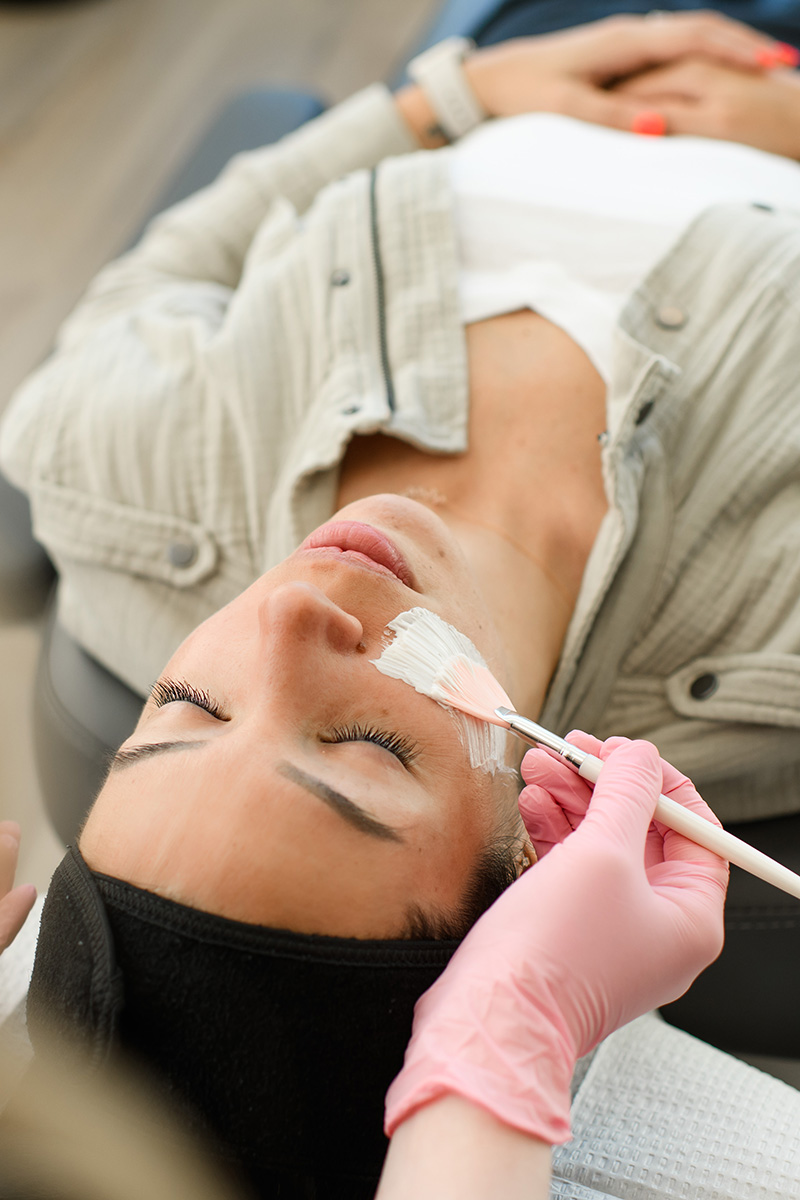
(530, 599)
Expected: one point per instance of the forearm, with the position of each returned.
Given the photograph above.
(453, 1150)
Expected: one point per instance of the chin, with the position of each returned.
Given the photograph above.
(389, 506)
(410, 519)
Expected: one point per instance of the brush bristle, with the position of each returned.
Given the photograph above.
(471, 688)
(438, 661)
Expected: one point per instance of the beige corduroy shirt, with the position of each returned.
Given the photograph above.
(187, 433)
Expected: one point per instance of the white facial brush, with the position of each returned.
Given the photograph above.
(438, 661)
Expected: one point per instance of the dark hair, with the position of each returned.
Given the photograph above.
(495, 870)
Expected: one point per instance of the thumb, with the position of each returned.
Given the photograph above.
(615, 110)
(626, 794)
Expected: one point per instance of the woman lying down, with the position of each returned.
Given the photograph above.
(238, 916)
(311, 400)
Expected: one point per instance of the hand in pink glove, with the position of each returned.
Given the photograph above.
(617, 918)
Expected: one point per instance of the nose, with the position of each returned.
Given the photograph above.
(299, 617)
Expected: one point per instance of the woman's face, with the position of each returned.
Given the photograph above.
(316, 794)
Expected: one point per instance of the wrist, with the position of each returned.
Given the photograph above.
(514, 1061)
(415, 109)
(454, 1149)
(440, 75)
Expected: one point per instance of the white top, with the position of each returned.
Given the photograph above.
(567, 218)
(16, 963)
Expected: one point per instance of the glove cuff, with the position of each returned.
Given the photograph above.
(533, 1096)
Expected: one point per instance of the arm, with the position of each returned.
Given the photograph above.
(454, 1150)
(206, 239)
(144, 341)
(617, 917)
(570, 71)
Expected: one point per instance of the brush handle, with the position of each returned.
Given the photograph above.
(719, 841)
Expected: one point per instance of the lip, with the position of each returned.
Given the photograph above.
(362, 543)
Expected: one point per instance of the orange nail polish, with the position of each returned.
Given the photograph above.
(789, 55)
(769, 59)
(649, 123)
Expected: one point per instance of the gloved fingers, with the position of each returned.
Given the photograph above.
(680, 849)
(554, 801)
(676, 847)
(544, 818)
(540, 764)
(546, 770)
(654, 847)
(674, 785)
(556, 798)
(572, 794)
(625, 796)
(687, 794)
(544, 766)
(586, 741)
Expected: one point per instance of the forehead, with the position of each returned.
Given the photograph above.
(270, 851)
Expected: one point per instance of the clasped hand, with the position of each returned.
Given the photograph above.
(705, 73)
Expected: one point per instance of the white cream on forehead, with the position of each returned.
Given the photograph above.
(417, 654)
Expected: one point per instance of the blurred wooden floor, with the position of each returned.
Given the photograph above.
(99, 102)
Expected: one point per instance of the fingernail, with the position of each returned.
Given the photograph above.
(770, 58)
(788, 55)
(649, 123)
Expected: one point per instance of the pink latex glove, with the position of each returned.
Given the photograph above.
(616, 918)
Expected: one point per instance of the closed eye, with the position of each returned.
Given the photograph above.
(402, 748)
(171, 691)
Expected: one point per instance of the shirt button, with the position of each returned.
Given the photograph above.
(340, 277)
(763, 207)
(644, 411)
(670, 317)
(181, 554)
(704, 686)
(351, 411)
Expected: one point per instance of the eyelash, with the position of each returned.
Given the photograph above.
(402, 749)
(168, 691)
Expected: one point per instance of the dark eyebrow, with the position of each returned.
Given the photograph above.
(127, 755)
(346, 808)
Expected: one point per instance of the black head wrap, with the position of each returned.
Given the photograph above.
(277, 1046)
